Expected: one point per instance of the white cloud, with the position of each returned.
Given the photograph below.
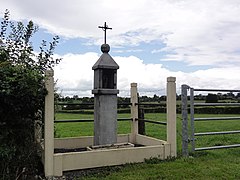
(75, 76)
(205, 32)
(202, 32)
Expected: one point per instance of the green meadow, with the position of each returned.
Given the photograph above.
(210, 164)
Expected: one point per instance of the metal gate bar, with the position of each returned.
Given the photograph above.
(216, 118)
(217, 147)
(216, 104)
(216, 90)
(216, 133)
(185, 139)
(192, 118)
(184, 89)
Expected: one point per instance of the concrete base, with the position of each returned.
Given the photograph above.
(107, 157)
(110, 146)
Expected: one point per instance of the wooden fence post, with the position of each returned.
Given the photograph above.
(49, 124)
(171, 115)
(141, 124)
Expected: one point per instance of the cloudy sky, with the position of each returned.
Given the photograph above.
(198, 42)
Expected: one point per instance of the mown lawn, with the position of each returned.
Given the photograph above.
(86, 129)
(217, 164)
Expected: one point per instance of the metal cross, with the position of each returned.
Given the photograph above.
(104, 28)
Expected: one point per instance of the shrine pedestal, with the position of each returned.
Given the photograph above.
(105, 98)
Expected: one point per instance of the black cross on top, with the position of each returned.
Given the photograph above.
(104, 28)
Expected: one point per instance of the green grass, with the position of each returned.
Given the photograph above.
(84, 129)
(204, 166)
(216, 126)
(217, 164)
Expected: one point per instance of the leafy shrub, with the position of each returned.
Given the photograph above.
(217, 110)
(211, 98)
(22, 95)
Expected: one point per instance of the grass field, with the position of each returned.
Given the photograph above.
(217, 164)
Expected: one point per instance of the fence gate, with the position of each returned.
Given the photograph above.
(188, 105)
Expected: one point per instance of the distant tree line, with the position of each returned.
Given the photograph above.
(155, 98)
(76, 104)
(214, 98)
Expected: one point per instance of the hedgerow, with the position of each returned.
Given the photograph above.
(22, 94)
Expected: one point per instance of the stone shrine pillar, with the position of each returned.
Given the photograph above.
(105, 98)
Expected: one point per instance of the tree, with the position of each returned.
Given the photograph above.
(22, 94)
(211, 98)
(238, 95)
(156, 98)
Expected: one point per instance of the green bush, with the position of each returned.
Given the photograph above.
(22, 95)
(217, 110)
